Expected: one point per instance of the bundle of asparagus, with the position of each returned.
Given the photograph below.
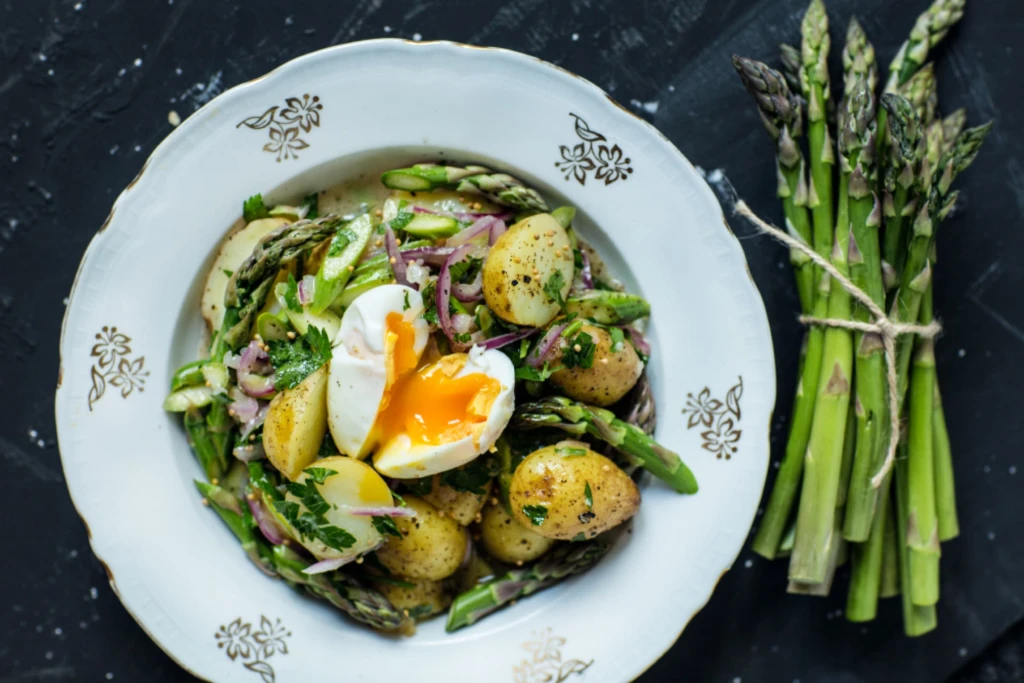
(834, 498)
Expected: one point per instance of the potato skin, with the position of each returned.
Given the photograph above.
(518, 266)
(612, 376)
(296, 423)
(423, 600)
(461, 506)
(506, 540)
(556, 477)
(432, 546)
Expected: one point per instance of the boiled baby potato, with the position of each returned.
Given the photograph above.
(344, 483)
(568, 491)
(461, 506)
(233, 252)
(432, 546)
(296, 423)
(534, 252)
(509, 541)
(613, 373)
(420, 600)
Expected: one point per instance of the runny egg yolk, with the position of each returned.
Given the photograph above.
(431, 405)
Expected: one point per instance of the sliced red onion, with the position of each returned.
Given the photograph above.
(432, 256)
(306, 287)
(462, 322)
(327, 565)
(638, 340)
(257, 421)
(543, 348)
(231, 360)
(465, 215)
(243, 407)
(506, 339)
(250, 453)
(498, 229)
(380, 511)
(269, 527)
(395, 256)
(478, 228)
(255, 373)
(473, 291)
(444, 289)
(586, 274)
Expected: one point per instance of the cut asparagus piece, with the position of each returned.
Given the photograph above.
(608, 307)
(499, 188)
(578, 418)
(343, 252)
(930, 28)
(564, 561)
(433, 226)
(782, 114)
(202, 444)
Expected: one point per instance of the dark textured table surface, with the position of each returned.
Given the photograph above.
(86, 87)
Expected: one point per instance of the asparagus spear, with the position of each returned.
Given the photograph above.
(781, 113)
(953, 124)
(917, 619)
(249, 286)
(815, 86)
(565, 560)
(890, 584)
(922, 523)
(904, 132)
(499, 188)
(239, 520)
(578, 418)
(790, 58)
(608, 307)
(921, 92)
(202, 444)
(930, 28)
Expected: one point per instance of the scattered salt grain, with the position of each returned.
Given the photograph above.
(41, 443)
(113, 150)
(78, 7)
(49, 654)
(417, 37)
(962, 352)
(93, 593)
(1013, 469)
(991, 535)
(962, 652)
(575, 37)
(387, 29)
(748, 564)
(137, 63)
(58, 631)
(33, 434)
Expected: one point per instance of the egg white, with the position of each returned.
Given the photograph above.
(358, 371)
(400, 458)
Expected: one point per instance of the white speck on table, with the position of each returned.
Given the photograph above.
(417, 37)
(991, 535)
(93, 593)
(962, 652)
(137, 63)
(387, 29)
(748, 564)
(575, 37)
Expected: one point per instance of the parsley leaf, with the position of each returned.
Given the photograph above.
(227, 272)
(312, 202)
(253, 208)
(398, 498)
(405, 301)
(319, 474)
(291, 295)
(341, 239)
(532, 374)
(312, 523)
(335, 537)
(467, 270)
(579, 353)
(401, 220)
(553, 288)
(385, 524)
(536, 513)
(288, 510)
(473, 477)
(588, 497)
(294, 361)
(419, 487)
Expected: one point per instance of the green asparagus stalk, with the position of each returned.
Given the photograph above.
(917, 619)
(238, 519)
(849, 446)
(930, 28)
(922, 523)
(890, 584)
(953, 124)
(250, 284)
(564, 561)
(816, 90)
(608, 307)
(578, 418)
(869, 563)
(499, 188)
(781, 113)
(904, 132)
(836, 558)
(202, 444)
(363, 604)
(858, 61)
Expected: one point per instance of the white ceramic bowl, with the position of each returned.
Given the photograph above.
(133, 318)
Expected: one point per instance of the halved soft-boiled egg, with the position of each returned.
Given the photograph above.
(382, 337)
(445, 414)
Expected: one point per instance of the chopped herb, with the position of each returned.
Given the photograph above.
(291, 295)
(532, 374)
(463, 337)
(430, 315)
(577, 259)
(466, 271)
(587, 516)
(227, 272)
(524, 348)
(341, 239)
(473, 477)
(398, 497)
(536, 513)
(296, 360)
(617, 338)
(578, 537)
(572, 328)
(569, 452)
(312, 204)
(405, 301)
(579, 353)
(335, 537)
(319, 474)
(385, 524)
(287, 509)
(401, 220)
(588, 497)
(553, 288)
(419, 487)
(253, 208)
(313, 524)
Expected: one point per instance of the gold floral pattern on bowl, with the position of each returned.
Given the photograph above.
(545, 663)
(114, 366)
(283, 125)
(254, 646)
(719, 418)
(593, 154)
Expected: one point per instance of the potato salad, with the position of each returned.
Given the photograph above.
(422, 394)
